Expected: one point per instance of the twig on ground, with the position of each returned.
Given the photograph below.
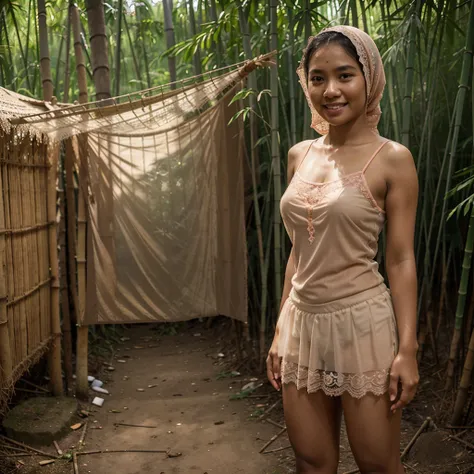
(277, 449)
(135, 426)
(268, 410)
(45, 390)
(409, 466)
(466, 443)
(274, 423)
(108, 451)
(272, 440)
(28, 448)
(21, 455)
(417, 434)
(83, 434)
(74, 460)
(58, 449)
(470, 427)
(458, 434)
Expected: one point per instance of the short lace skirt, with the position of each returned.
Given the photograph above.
(346, 345)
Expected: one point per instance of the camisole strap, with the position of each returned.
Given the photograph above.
(307, 151)
(374, 155)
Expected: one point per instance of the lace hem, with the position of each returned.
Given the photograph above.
(335, 383)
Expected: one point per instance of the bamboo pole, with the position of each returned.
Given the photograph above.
(462, 394)
(409, 74)
(82, 330)
(55, 353)
(45, 61)
(466, 71)
(5, 349)
(170, 40)
(17, 252)
(11, 310)
(275, 154)
(64, 297)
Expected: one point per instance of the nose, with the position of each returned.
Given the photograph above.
(331, 90)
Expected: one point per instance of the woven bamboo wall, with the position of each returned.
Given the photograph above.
(25, 294)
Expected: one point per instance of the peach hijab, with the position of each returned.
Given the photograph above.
(369, 57)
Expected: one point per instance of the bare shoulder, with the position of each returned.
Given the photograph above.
(296, 154)
(399, 163)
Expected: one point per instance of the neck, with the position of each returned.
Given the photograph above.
(350, 134)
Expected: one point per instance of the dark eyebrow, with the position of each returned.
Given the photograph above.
(346, 67)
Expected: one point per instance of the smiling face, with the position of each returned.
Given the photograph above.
(336, 86)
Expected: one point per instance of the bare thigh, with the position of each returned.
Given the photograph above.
(313, 421)
(374, 433)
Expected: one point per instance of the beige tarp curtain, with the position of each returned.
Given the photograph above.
(166, 235)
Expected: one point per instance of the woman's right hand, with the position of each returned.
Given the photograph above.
(274, 365)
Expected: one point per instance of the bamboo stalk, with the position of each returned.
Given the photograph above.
(170, 41)
(55, 353)
(276, 163)
(409, 74)
(469, 362)
(466, 71)
(64, 294)
(5, 349)
(11, 312)
(82, 386)
(45, 62)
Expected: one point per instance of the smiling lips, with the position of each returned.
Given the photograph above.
(334, 106)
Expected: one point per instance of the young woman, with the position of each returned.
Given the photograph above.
(344, 343)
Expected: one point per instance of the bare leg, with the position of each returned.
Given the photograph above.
(374, 434)
(313, 421)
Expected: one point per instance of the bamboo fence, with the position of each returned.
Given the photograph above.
(26, 332)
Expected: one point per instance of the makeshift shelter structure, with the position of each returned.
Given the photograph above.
(162, 175)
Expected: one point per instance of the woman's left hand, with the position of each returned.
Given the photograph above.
(404, 370)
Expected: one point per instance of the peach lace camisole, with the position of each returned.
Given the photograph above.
(334, 228)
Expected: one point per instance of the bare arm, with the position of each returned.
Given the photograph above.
(401, 204)
(273, 360)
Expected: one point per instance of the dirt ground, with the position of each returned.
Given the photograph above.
(185, 392)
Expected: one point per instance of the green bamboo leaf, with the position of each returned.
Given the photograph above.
(264, 91)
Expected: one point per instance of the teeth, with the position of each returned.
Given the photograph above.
(334, 107)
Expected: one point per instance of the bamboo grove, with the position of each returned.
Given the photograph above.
(427, 47)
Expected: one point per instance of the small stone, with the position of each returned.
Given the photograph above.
(121, 361)
(45, 463)
(76, 426)
(98, 401)
(100, 390)
(140, 389)
(110, 368)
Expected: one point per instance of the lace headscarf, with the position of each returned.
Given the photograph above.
(369, 57)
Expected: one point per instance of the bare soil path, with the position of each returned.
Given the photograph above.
(187, 399)
(180, 388)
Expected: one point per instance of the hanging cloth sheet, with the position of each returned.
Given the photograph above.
(166, 222)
